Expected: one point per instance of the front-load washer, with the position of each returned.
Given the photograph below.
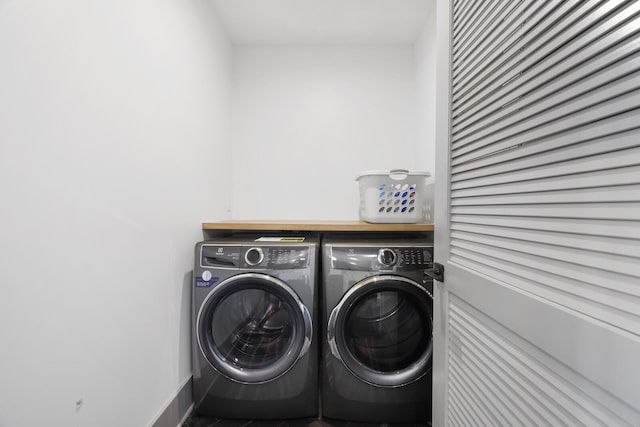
(254, 352)
(377, 337)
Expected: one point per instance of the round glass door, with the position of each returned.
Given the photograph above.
(252, 328)
(382, 331)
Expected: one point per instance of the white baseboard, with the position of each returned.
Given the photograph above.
(179, 407)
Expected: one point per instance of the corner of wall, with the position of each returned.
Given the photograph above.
(425, 61)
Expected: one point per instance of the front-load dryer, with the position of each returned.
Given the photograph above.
(254, 352)
(377, 337)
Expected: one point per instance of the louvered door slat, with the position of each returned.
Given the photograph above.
(454, 417)
(456, 6)
(604, 136)
(590, 303)
(612, 245)
(535, 109)
(470, 412)
(555, 45)
(544, 127)
(626, 193)
(558, 401)
(466, 365)
(468, 31)
(490, 42)
(542, 291)
(537, 51)
(484, 415)
(537, 409)
(463, 8)
(585, 227)
(561, 282)
(500, 63)
(623, 211)
(619, 177)
(580, 173)
(606, 284)
(469, 381)
(587, 257)
(477, 16)
(492, 30)
(595, 82)
(501, 391)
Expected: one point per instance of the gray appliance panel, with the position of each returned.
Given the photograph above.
(294, 394)
(359, 258)
(283, 257)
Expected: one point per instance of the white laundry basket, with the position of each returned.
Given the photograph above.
(394, 196)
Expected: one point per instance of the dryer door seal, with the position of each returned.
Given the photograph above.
(252, 328)
(382, 330)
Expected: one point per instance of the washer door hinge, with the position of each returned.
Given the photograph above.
(436, 273)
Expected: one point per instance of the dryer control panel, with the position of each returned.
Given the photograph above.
(368, 258)
(255, 257)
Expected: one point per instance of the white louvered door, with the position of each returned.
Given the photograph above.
(538, 213)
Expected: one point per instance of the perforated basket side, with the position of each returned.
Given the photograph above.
(383, 200)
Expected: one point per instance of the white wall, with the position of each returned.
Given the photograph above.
(307, 119)
(425, 54)
(113, 128)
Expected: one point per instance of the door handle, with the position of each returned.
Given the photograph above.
(436, 273)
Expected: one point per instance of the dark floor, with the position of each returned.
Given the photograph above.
(199, 421)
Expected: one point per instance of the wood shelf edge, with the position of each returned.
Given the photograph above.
(352, 226)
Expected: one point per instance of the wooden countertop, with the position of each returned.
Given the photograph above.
(314, 226)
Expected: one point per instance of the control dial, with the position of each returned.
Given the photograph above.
(387, 257)
(254, 256)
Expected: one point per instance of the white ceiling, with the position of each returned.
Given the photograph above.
(323, 21)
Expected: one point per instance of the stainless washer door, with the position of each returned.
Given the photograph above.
(382, 330)
(252, 328)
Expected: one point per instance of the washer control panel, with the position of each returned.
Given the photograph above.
(365, 258)
(254, 257)
(283, 257)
